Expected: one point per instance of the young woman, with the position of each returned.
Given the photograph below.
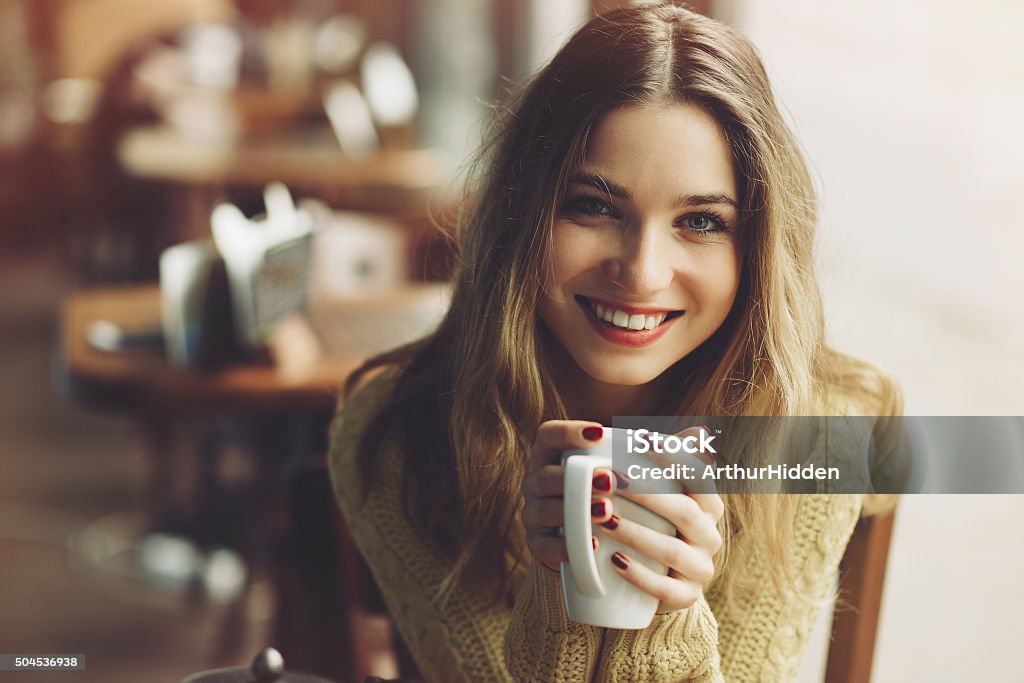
(640, 243)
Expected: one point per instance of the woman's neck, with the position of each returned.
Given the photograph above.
(588, 399)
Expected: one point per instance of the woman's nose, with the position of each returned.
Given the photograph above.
(642, 265)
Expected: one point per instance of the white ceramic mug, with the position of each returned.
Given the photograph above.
(594, 592)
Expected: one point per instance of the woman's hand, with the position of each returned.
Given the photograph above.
(688, 554)
(543, 513)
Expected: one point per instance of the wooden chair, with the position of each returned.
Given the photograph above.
(855, 618)
(324, 587)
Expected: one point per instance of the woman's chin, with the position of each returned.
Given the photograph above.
(622, 375)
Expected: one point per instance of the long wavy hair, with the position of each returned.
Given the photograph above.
(469, 397)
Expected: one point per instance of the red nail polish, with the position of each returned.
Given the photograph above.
(592, 433)
(593, 542)
(620, 561)
(612, 523)
(603, 482)
(621, 480)
(598, 509)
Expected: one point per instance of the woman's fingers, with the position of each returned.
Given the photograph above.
(547, 482)
(691, 562)
(549, 513)
(673, 593)
(663, 458)
(686, 515)
(711, 503)
(543, 507)
(695, 517)
(543, 513)
(555, 436)
(547, 549)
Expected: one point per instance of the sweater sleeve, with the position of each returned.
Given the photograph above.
(762, 637)
(678, 646)
(541, 643)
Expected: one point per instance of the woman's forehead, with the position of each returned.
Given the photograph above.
(640, 148)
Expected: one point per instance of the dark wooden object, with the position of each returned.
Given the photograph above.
(855, 620)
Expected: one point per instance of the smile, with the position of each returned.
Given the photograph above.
(627, 325)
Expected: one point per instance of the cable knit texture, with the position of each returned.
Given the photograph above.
(471, 638)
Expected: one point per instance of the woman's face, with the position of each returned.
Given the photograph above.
(646, 258)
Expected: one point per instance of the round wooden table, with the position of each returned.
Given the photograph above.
(143, 382)
(306, 160)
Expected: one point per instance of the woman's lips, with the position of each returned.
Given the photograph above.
(622, 336)
(625, 308)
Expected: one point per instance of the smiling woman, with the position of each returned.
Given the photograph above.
(644, 250)
(640, 243)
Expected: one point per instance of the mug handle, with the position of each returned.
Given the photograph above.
(579, 475)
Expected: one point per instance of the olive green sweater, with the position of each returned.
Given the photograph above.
(469, 638)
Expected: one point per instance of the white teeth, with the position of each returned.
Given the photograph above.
(624, 320)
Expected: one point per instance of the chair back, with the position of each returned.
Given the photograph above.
(855, 618)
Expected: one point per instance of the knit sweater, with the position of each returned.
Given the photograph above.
(469, 637)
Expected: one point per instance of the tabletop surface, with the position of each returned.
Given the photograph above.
(303, 159)
(143, 380)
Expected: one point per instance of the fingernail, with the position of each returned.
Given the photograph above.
(603, 481)
(620, 561)
(612, 523)
(592, 433)
(621, 480)
(598, 509)
(593, 542)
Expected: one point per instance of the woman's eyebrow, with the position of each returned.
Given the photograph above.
(601, 185)
(702, 199)
(615, 190)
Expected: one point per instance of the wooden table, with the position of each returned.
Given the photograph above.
(306, 160)
(143, 382)
(163, 400)
(402, 185)
(282, 528)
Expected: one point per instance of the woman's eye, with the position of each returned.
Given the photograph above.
(588, 206)
(702, 222)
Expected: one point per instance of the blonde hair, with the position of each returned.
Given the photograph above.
(470, 397)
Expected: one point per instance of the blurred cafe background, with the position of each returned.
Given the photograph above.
(211, 210)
